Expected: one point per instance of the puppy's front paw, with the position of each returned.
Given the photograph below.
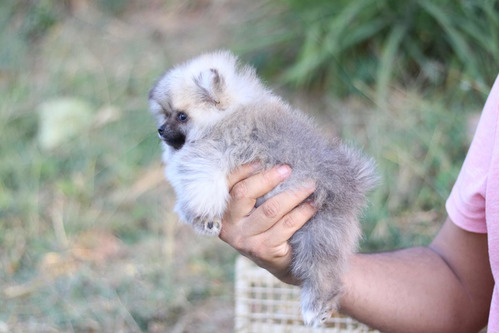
(206, 226)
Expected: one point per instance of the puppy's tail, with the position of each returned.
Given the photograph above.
(364, 169)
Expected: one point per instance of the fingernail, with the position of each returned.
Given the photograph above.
(256, 165)
(284, 171)
(311, 203)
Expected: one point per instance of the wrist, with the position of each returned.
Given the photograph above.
(280, 268)
(347, 299)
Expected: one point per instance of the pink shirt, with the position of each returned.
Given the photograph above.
(473, 202)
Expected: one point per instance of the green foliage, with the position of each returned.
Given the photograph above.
(351, 45)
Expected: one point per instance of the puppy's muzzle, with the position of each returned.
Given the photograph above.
(161, 130)
(173, 138)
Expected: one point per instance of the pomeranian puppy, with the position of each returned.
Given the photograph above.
(214, 115)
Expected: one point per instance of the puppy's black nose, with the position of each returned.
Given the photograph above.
(161, 130)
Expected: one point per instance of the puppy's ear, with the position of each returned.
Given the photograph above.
(211, 86)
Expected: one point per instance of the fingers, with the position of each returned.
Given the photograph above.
(271, 249)
(284, 229)
(245, 192)
(262, 234)
(241, 173)
(257, 185)
(282, 208)
(272, 245)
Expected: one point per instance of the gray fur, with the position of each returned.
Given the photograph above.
(257, 125)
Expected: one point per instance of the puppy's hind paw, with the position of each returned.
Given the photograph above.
(315, 319)
(315, 310)
(209, 227)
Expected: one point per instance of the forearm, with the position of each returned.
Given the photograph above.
(411, 290)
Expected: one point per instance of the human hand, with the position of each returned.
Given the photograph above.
(262, 233)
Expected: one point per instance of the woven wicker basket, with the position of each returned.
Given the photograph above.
(266, 305)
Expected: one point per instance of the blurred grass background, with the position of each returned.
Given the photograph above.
(88, 241)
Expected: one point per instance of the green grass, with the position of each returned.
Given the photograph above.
(88, 240)
(419, 161)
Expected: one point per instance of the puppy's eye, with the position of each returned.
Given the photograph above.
(182, 117)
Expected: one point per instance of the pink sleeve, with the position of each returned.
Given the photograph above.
(467, 205)
(473, 202)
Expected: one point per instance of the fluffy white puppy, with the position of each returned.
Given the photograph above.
(214, 115)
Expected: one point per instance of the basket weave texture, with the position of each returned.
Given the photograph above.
(266, 305)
